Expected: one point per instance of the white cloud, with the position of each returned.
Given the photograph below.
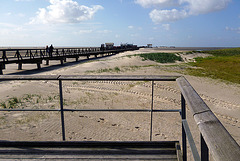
(83, 32)
(159, 16)
(233, 29)
(64, 11)
(166, 26)
(23, 0)
(196, 7)
(181, 8)
(104, 31)
(130, 27)
(156, 3)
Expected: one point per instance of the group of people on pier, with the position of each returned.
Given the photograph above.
(49, 50)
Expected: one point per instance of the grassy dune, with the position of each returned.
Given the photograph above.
(161, 57)
(224, 64)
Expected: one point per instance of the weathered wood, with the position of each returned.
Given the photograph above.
(1, 69)
(39, 65)
(191, 97)
(91, 150)
(220, 143)
(47, 61)
(19, 66)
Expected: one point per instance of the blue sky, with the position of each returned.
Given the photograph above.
(92, 22)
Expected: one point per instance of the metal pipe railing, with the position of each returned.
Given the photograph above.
(214, 137)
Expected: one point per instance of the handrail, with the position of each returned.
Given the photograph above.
(213, 134)
(220, 143)
(91, 77)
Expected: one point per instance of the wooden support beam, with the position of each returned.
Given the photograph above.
(3, 66)
(1, 72)
(61, 61)
(19, 66)
(39, 65)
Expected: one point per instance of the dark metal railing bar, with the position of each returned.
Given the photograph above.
(183, 115)
(89, 110)
(191, 141)
(151, 124)
(30, 110)
(204, 150)
(62, 111)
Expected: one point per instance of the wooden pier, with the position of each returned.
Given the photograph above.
(38, 55)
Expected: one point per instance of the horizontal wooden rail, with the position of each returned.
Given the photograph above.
(220, 143)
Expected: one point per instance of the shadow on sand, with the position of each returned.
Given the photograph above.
(54, 67)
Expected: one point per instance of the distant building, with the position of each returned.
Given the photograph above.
(109, 45)
(149, 45)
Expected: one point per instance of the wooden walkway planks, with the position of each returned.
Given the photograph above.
(91, 150)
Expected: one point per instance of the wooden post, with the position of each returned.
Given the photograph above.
(47, 61)
(19, 66)
(39, 65)
(61, 61)
(3, 66)
(4, 56)
(1, 72)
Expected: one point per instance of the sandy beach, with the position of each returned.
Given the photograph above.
(221, 97)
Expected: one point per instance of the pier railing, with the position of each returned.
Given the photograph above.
(215, 139)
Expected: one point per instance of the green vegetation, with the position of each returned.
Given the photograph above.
(224, 65)
(224, 52)
(116, 70)
(161, 57)
(26, 100)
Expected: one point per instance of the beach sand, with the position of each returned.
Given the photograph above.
(221, 97)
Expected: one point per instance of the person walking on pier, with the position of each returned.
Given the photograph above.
(51, 50)
(47, 50)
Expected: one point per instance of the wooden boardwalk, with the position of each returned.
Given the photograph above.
(91, 150)
(37, 55)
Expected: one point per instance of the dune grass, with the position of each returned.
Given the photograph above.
(161, 57)
(224, 65)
